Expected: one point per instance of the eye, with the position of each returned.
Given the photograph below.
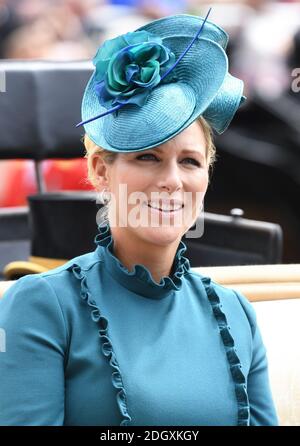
(146, 156)
(194, 161)
(151, 156)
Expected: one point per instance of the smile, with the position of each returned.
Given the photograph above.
(166, 209)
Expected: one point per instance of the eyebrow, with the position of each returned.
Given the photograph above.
(196, 152)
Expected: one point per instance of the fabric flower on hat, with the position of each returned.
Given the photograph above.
(129, 67)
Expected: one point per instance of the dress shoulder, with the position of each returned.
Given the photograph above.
(240, 299)
(230, 297)
(31, 300)
(36, 353)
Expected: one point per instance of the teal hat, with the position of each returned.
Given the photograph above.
(151, 84)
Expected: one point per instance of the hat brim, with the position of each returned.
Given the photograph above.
(170, 107)
(221, 111)
(186, 25)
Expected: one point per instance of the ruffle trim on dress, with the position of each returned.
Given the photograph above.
(233, 359)
(107, 348)
(181, 264)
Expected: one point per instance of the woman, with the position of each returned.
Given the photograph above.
(128, 334)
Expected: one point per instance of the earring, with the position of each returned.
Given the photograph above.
(105, 196)
(102, 213)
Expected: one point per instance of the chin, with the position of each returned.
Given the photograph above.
(161, 235)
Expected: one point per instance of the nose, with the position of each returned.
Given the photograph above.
(170, 177)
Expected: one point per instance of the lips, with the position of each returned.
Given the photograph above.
(163, 206)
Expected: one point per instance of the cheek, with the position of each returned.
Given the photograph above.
(199, 183)
(198, 186)
(129, 180)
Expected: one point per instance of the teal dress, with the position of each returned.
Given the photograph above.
(90, 343)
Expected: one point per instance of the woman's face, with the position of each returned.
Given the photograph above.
(172, 177)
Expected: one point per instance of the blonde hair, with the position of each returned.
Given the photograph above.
(109, 157)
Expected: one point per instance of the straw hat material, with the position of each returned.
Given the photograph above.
(142, 106)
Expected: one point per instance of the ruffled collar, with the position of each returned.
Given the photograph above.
(140, 280)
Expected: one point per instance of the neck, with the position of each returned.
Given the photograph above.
(131, 251)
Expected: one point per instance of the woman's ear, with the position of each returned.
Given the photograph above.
(100, 171)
